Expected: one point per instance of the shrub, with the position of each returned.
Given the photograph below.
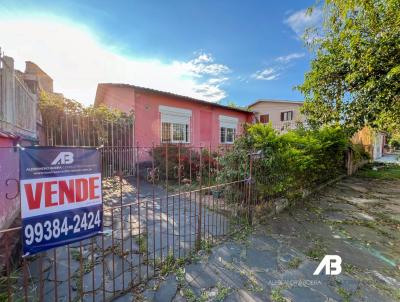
(394, 141)
(289, 162)
(168, 157)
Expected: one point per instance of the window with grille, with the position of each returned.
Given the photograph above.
(287, 116)
(174, 133)
(228, 127)
(264, 118)
(175, 124)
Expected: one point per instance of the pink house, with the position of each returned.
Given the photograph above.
(163, 117)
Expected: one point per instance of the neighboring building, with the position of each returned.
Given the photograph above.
(35, 78)
(163, 117)
(18, 108)
(20, 121)
(282, 114)
(373, 141)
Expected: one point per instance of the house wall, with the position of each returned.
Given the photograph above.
(274, 110)
(205, 129)
(9, 169)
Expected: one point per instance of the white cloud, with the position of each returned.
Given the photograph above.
(77, 61)
(267, 74)
(290, 57)
(300, 20)
(203, 65)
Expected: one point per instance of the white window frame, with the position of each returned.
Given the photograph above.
(175, 116)
(286, 116)
(225, 123)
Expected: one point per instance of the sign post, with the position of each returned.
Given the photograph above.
(61, 196)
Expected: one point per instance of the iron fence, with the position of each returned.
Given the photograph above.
(172, 205)
(118, 153)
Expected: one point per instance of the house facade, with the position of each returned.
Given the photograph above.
(282, 114)
(163, 117)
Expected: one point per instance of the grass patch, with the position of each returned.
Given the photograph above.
(75, 254)
(276, 295)
(223, 292)
(344, 294)
(350, 268)
(141, 241)
(189, 294)
(294, 263)
(386, 172)
(317, 252)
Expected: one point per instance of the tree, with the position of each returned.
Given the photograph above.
(355, 75)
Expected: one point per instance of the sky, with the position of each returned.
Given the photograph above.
(218, 51)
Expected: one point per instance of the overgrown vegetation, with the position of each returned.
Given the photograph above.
(285, 164)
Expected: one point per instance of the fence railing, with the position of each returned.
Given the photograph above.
(18, 106)
(285, 126)
(170, 207)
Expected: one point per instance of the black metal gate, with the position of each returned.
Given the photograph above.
(170, 207)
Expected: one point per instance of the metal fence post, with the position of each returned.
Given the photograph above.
(249, 215)
(198, 240)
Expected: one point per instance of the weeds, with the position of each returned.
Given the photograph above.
(276, 295)
(223, 292)
(344, 294)
(141, 241)
(294, 263)
(318, 251)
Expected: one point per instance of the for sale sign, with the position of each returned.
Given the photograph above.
(61, 197)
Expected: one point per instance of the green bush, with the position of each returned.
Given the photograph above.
(290, 162)
(394, 141)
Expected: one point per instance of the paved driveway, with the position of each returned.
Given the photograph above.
(358, 219)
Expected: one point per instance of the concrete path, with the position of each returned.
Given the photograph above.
(357, 219)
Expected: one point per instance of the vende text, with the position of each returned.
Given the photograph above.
(53, 192)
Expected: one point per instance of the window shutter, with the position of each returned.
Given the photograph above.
(282, 116)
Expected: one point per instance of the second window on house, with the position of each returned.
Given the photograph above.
(264, 118)
(286, 116)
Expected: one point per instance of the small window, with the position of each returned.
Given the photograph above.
(287, 116)
(264, 118)
(227, 135)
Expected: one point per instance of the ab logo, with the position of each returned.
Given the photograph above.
(63, 158)
(332, 264)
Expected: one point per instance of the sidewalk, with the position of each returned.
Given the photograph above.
(393, 158)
